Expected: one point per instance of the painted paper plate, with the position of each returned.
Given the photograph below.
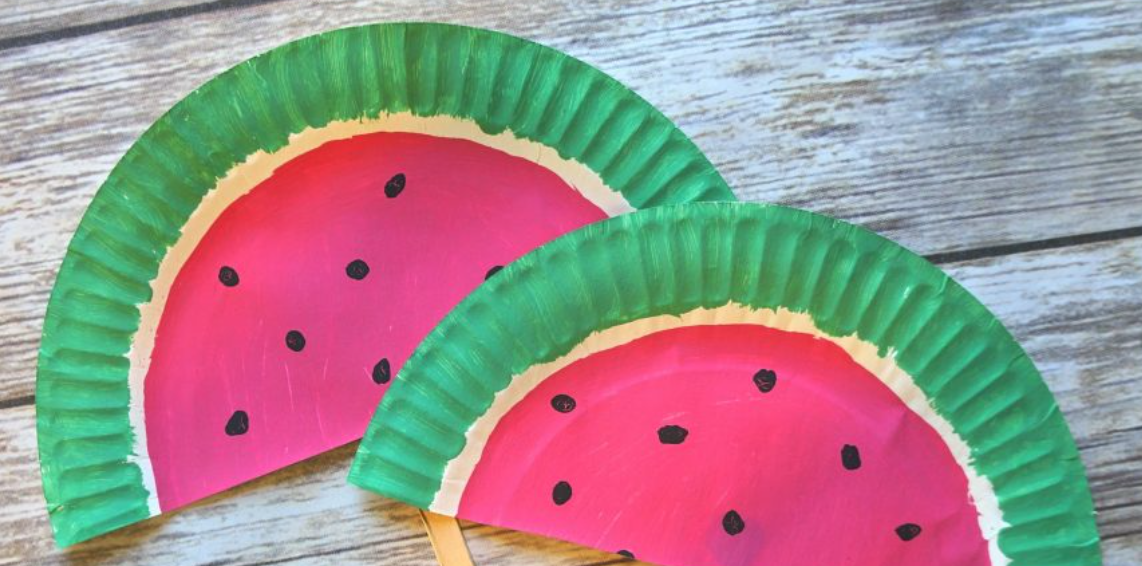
(266, 256)
(735, 384)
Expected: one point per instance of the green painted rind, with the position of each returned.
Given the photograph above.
(498, 81)
(672, 260)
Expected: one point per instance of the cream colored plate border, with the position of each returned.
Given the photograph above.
(259, 166)
(980, 490)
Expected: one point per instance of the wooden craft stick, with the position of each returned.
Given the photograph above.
(447, 540)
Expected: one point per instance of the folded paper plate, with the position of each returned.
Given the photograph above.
(734, 384)
(266, 256)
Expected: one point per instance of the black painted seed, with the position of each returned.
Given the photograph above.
(850, 457)
(357, 269)
(494, 270)
(908, 531)
(238, 424)
(382, 372)
(295, 341)
(228, 276)
(765, 380)
(733, 523)
(625, 553)
(395, 185)
(672, 434)
(563, 403)
(562, 493)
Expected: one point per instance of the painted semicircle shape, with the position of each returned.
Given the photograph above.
(722, 384)
(250, 279)
(305, 296)
(673, 431)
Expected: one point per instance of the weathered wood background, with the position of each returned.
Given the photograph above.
(1003, 138)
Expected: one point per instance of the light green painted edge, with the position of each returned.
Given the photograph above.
(671, 260)
(498, 81)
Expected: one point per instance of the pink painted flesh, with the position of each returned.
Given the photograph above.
(774, 458)
(220, 349)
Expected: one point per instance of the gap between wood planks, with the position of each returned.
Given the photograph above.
(985, 252)
(941, 258)
(157, 16)
(69, 32)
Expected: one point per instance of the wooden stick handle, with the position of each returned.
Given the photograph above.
(447, 540)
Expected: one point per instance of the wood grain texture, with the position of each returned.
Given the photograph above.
(946, 125)
(24, 18)
(944, 128)
(1076, 314)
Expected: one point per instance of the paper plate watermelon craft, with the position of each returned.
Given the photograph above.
(258, 266)
(731, 385)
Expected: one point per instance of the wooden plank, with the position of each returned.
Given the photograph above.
(22, 18)
(1074, 310)
(24, 289)
(944, 129)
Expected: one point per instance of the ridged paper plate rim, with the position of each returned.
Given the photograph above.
(673, 260)
(502, 83)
